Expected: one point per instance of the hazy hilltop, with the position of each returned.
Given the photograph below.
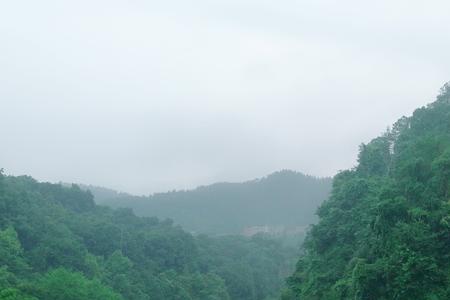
(56, 243)
(225, 150)
(284, 200)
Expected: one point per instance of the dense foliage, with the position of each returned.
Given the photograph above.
(385, 231)
(284, 198)
(55, 243)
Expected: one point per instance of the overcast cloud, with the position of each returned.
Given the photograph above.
(147, 96)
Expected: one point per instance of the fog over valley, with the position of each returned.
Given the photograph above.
(224, 150)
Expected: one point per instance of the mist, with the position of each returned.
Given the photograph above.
(145, 96)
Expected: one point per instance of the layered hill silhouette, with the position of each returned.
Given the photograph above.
(56, 243)
(282, 202)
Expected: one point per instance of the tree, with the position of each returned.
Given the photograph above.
(61, 284)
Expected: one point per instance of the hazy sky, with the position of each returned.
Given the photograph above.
(146, 96)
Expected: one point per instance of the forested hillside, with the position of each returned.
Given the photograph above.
(385, 231)
(56, 244)
(284, 198)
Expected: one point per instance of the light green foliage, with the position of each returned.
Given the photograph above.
(251, 268)
(11, 252)
(384, 233)
(14, 294)
(61, 284)
(55, 243)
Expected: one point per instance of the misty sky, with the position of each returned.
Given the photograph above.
(147, 96)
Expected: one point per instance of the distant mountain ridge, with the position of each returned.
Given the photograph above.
(56, 243)
(284, 198)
